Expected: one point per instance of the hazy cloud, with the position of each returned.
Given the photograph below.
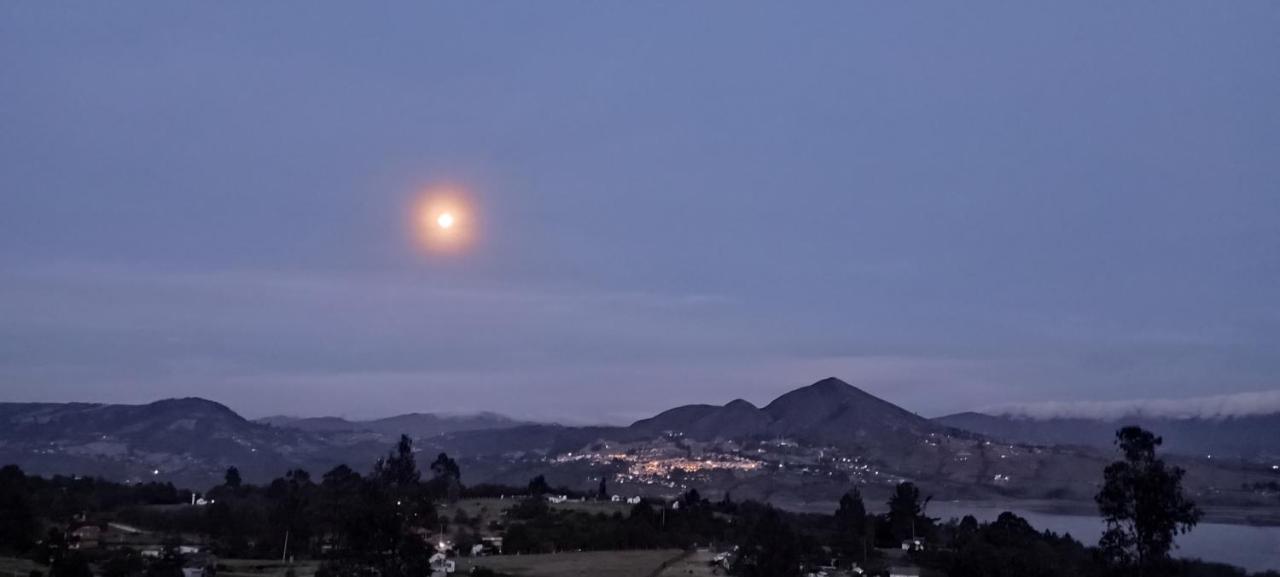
(950, 207)
(1210, 407)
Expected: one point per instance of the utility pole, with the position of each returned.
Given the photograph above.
(923, 508)
(285, 554)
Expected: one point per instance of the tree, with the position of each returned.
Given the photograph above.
(851, 523)
(904, 511)
(538, 486)
(18, 528)
(691, 499)
(1142, 504)
(771, 549)
(232, 478)
(447, 478)
(602, 492)
(290, 519)
(399, 468)
(445, 467)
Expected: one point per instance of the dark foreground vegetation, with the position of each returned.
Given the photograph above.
(388, 522)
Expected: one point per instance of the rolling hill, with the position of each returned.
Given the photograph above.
(807, 445)
(190, 441)
(417, 425)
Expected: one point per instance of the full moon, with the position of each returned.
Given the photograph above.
(444, 220)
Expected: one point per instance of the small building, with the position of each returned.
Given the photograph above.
(633, 500)
(492, 544)
(913, 545)
(198, 565)
(86, 537)
(904, 572)
(441, 565)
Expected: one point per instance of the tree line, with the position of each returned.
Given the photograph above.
(378, 523)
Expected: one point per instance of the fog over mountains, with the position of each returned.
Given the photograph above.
(1251, 437)
(1251, 404)
(1244, 425)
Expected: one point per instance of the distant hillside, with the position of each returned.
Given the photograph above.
(418, 425)
(1249, 437)
(311, 424)
(807, 445)
(191, 441)
(829, 411)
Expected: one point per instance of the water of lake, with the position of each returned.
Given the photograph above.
(1253, 548)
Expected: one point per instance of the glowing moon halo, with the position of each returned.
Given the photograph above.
(443, 220)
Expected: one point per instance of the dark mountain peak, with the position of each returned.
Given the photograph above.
(832, 410)
(829, 392)
(191, 406)
(831, 384)
(740, 404)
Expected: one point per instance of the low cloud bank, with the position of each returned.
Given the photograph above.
(1212, 407)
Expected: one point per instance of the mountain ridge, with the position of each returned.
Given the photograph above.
(827, 411)
(1247, 436)
(418, 425)
(827, 428)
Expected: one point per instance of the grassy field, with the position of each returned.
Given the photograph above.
(488, 510)
(11, 567)
(697, 564)
(264, 568)
(585, 564)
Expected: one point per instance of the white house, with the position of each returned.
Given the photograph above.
(633, 500)
(904, 572)
(909, 544)
(441, 565)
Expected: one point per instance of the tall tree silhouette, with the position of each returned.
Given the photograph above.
(904, 511)
(399, 469)
(538, 486)
(1142, 503)
(446, 478)
(851, 524)
(232, 478)
(771, 549)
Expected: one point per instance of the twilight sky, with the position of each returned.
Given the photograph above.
(951, 205)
